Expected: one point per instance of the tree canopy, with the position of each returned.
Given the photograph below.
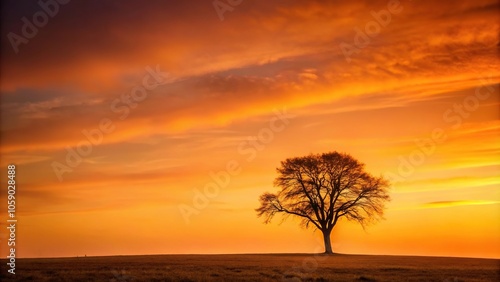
(322, 188)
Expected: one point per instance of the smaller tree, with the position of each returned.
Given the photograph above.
(321, 189)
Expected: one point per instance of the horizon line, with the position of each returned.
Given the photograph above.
(228, 254)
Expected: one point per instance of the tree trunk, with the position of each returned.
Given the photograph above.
(328, 243)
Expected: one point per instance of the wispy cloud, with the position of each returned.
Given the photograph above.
(449, 204)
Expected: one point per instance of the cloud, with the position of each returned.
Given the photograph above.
(114, 44)
(448, 204)
(458, 183)
(25, 159)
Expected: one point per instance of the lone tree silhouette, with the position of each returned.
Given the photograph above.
(320, 189)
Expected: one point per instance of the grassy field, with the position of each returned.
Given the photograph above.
(266, 267)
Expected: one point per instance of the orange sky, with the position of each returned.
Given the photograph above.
(418, 103)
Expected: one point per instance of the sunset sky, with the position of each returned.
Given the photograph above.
(410, 88)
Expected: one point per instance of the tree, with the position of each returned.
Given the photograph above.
(322, 188)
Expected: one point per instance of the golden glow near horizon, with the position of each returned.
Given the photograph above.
(154, 129)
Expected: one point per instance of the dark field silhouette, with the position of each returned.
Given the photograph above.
(255, 267)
